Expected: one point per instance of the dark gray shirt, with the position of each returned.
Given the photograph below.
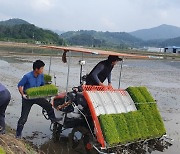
(100, 73)
(97, 70)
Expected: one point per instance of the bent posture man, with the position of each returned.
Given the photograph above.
(4, 101)
(34, 78)
(102, 71)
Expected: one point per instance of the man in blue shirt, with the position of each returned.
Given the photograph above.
(34, 78)
(4, 101)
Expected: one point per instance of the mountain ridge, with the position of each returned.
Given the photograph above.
(163, 31)
(13, 21)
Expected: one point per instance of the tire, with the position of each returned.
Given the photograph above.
(79, 143)
(56, 132)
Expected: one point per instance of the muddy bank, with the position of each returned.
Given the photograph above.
(11, 145)
(161, 77)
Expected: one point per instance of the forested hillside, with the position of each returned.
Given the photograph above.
(12, 22)
(171, 42)
(18, 30)
(21, 31)
(101, 39)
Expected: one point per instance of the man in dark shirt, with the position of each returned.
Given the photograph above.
(102, 71)
(4, 101)
(34, 78)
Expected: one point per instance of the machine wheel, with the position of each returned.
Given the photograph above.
(57, 129)
(79, 138)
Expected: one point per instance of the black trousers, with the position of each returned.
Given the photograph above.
(26, 107)
(4, 101)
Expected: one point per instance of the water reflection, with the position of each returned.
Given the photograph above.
(14, 59)
(64, 147)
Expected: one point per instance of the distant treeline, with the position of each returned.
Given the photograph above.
(29, 33)
(119, 40)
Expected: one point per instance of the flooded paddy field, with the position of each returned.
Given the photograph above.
(161, 77)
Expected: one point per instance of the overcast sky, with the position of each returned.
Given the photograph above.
(99, 15)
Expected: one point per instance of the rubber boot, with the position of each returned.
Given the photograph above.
(2, 130)
(19, 131)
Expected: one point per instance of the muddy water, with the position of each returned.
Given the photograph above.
(161, 77)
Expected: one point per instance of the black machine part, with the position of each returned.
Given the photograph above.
(73, 96)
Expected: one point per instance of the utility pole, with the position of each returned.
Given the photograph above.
(92, 42)
(33, 42)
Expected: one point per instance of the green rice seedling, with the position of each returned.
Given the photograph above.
(154, 110)
(150, 122)
(148, 97)
(132, 126)
(31, 92)
(109, 129)
(42, 91)
(145, 123)
(142, 125)
(122, 128)
(137, 97)
(47, 79)
(158, 122)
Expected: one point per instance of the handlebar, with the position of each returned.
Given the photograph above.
(77, 89)
(59, 107)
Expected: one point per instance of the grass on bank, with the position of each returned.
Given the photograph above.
(10, 145)
(2, 150)
(145, 123)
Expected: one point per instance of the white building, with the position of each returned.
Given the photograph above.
(172, 49)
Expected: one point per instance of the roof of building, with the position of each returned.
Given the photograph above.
(172, 47)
